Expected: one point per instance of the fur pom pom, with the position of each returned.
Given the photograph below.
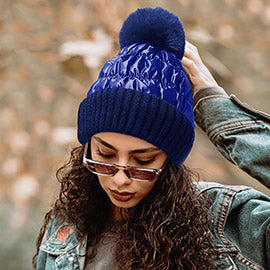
(156, 26)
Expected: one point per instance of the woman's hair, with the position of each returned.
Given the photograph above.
(169, 229)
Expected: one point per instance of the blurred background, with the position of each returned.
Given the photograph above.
(51, 51)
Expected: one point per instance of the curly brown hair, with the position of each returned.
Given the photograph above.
(169, 229)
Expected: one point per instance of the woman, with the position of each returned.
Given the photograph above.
(127, 201)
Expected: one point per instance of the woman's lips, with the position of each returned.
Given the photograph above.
(121, 196)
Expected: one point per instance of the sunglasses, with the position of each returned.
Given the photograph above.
(109, 169)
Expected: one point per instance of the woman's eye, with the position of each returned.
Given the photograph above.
(144, 162)
(98, 152)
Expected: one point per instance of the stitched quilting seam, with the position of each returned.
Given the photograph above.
(231, 125)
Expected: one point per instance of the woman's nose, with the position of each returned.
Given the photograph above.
(121, 178)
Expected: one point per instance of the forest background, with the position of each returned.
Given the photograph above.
(51, 52)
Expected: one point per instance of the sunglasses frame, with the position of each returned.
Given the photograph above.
(86, 162)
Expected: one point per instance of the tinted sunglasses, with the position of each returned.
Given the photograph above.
(110, 169)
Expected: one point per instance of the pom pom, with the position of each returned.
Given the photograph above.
(156, 26)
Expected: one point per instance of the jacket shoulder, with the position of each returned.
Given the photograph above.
(238, 194)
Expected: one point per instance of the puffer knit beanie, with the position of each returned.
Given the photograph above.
(144, 91)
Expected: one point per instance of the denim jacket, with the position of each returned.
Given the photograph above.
(242, 224)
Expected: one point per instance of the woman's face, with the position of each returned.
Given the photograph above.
(125, 150)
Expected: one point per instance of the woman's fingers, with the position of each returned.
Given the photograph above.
(190, 65)
(199, 74)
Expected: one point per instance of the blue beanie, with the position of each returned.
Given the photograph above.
(143, 91)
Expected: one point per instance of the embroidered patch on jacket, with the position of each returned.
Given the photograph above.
(64, 232)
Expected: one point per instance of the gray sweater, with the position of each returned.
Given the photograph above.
(104, 259)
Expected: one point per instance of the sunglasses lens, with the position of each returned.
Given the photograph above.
(103, 169)
(141, 175)
(110, 170)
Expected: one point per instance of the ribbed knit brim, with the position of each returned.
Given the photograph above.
(136, 114)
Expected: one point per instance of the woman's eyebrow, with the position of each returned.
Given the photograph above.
(104, 143)
(144, 150)
(137, 151)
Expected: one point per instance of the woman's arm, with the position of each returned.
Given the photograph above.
(239, 132)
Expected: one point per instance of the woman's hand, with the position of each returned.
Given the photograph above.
(199, 75)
